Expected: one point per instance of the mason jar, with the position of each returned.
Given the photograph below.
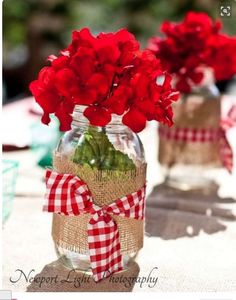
(111, 161)
(189, 151)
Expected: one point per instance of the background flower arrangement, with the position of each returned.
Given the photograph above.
(197, 54)
(192, 45)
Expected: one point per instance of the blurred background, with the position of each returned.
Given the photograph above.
(34, 29)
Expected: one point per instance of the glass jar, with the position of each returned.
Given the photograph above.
(189, 150)
(104, 156)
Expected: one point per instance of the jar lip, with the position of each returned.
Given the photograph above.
(79, 110)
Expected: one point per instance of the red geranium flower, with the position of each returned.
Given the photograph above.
(109, 74)
(191, 45)
(222, 56)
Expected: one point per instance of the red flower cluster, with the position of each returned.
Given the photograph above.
(110, 75)
(222, 56)
(192, 44)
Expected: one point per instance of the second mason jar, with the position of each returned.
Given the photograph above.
(190, 150)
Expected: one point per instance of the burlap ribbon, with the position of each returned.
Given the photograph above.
(193, 139)
(70, 232)
(205, 135)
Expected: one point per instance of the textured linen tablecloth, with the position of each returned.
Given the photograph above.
(189, 246)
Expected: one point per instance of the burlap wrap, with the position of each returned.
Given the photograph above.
(195, 112)
(70, 232)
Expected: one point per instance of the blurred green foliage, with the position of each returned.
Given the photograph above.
(18, 16)
(142, 17)
(38, 28)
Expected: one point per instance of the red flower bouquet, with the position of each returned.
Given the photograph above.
(191, 45)
(108, 74)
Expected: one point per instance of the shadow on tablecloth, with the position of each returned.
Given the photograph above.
(171, 213)
(60, 279)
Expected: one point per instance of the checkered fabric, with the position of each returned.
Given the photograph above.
(68, 195)
(206, 135)
(190, 134)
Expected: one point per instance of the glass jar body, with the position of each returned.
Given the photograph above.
(113, 150)
(189, 151)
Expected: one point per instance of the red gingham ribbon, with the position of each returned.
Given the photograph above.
(226, 150)
(69, 195)
(206, 135)
(190, 134)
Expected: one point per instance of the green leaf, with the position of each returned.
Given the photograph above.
(97, 151)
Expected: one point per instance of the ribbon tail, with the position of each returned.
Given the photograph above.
(226, 153)
(104, 247)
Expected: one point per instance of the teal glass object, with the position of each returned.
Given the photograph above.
(44, 139)
(9, 176)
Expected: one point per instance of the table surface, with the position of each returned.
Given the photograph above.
(189, 244)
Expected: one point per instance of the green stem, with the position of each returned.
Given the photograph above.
(95, 150)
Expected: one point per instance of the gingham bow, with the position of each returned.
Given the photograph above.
(226, 150)
(69, 195)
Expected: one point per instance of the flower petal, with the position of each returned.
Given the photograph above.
(98, 116)
(64, 117)
(135, 120)
(183, 86)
